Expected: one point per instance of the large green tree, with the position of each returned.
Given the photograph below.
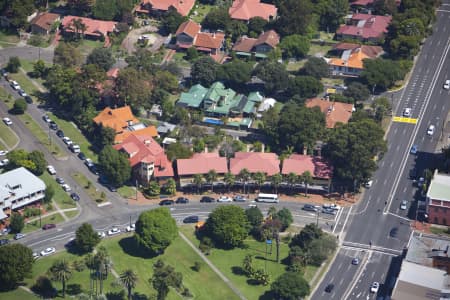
(40, 163)
(217, 18)
(115, 165)
(16, 223)
(273, 74)
(17, 11)
(13, 64)
(101, 57)
(295, 45)
(290, 286)
(134, 87)
(227, 226)
(204, 71)
(129, 279)
(67, 55)
(105, 9)
(155, 230)
(331, 13)
(61, 271)
(381, 73)
(304, 86)
(86, 238)
(235, 73)
(357, 91)
(16, 263)
(171, 20)
(294, 17)
(164, 277)
(255, 218)
(284, 215)
(316, 67)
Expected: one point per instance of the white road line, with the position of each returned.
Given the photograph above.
(345, 222)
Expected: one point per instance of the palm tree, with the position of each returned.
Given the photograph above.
(210, 177)
(292, 178)
(244, 175)
(103, 264)
(79, 27)
(307, 179)
(61, 271)
(260, 178)
(129, 280)
(276, 181)
(229, 180)
(198, 180)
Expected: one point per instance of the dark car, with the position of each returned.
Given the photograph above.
(206, 199)
(182, 200)
(93, 169)
(28, 99)
(75, 197)
(60, 180)
(190, 219)
(53, 125)
(81, 156)
(309, 207)
(166, 202)
(4, 242)
(103, 180)
(329, 288)
(112, 188)
(48, 226)
(394, 232)
(60, 133)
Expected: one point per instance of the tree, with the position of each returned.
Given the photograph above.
(16, 263)
(18, 11)
(13, 64)
(203, 71)
(294, 17)
(178, 151)
(290, 286)
(80, 6)
(165, 276)
(155, 230)
(86, 238)
(381, 73)
(16, 223)
(170, 187)
(198, 180)
(20, 106)
(166, 81)
(210, 177)
(320, 249)
(244, 176)
(103, 136)
(304, 86)
(153, 188)
(308, 234)
(284, 215)
(217, 18)
(357, 91)
(331, 13)
(67, 55)
(191, 54)
(39, 161)
(61, 271)
(273, 74)
(316, 67)
(101, 57)
(198, 145)
(236, 29)
(259, 178)
(134, 87)
(40, 69)
(115, 165)
(247, 265)
(295, 45)
(44, 287)
(381, 106)
(171, 20)
(105, 9)
(129, 279)
(229, 180)
(306, 178)
(49, 193)
(256, 25)
(227, 226)
(276, 180)
(235, 73)
(254, 217)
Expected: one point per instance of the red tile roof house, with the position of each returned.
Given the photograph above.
(95, 29)
(189, 35)
(320, 169)
(200, 163)
(254, 162)
(364, 27)
(146, 157)
(158, 7)
(335, 112)
(44, 23)
(266, 42)
(244, 10)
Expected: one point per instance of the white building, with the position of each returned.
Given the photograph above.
(19, 187)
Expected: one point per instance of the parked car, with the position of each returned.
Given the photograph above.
(182, 200)
(206, 199)
(190, 219)
(4, 242)
(239, 198)
(166, 202)
(60, 180)
(15, 85)
(328, 211)
(60, 133)
(35, 255)
(374, 287)
(114, 231)
(28, 99)
(48, 226)
(4, 162)
(403, 205)
(368, 184)
(130, 228)
(355, 261)
(74, 148)
(66, 187)
(331, 206)
(81, 156)
(93, 169)
(53, 125)
(329, 288)
(309, 207)
(88, 162)
(22, 93)
(75, 197)
(7, 121)
(4, 72)
(224, 199)
(46, 118)
(3, 152)
(67, 140)
(48, 251)
(413, 149)
(51, 170)
(101, 234)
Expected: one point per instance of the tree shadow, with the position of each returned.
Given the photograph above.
(115, 295)
(74, 289)
(253, 282)
(238, 270)
(130, 247)
(139, 296)
(268, 295)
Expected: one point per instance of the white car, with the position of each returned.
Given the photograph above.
(7, 121)
(46, 119)
(67, 140)
(15, 85)
(4, 162)
(374, 287)
(224, 199)
(22, 93)
(131, 228)
(114, 231)
(407, 112)
(101, 234)
(368, 184)
(447, 84)
(48, 251)
(331, 206)
(51, 169)
(35, 255)
(430, 130)
(88, 162)
(66, 187)
(3, 152)
(403, 205)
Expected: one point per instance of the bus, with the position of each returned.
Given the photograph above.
(273, 198)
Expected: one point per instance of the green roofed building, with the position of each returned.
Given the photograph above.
(193, 98)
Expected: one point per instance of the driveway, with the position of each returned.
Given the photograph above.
(131, 39)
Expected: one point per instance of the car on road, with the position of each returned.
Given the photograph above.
(67, 140)
(46, 119)
(407, 112)
(3, 152)
(166, 202)
(4, 72)
(206, 199)
(60, 133)
(252, 205)
(114, 231)
(28, 99)
(182, 200)
(35, 255)
(48, 251)
(329, 288)
(328, 211)
(403, 205)
(4, 242)
(4, 162)
(239, 198)
(53, 125)
(66, 187)
(15, 85)
(101, 234)
(19, 236)
(447, 84)
(75, 197)
(190, 219)
(374, 287)
(430, 130)
(51, 170)
(48, 226)
(355, 261)
(7, 121)
(368, 184)
(81, 156)
(331, 206)
(393, 232)
(93, 169)
(22, 93)
(309, 207)
(414, 149)
(224, 199)
(88, 162)
(74, 148)
(131, 227)
(60, 180)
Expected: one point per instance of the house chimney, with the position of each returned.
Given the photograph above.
(147, 142)
(214, 35)
(263, 147)
(305, 151)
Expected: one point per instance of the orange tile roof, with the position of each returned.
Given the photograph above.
(182, 6)
(355, 60)
(370, 51)
(316, 165)
(209, 40)
(244, 44)
(270, 38)
(247, 9)
(113, 73)
(202, 163)
(116, 119)
(335, 112)
(255, 162)
(189, 27)
(45, 20)
(93, 27)
(147, 131)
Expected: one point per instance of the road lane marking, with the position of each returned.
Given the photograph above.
(404, 120)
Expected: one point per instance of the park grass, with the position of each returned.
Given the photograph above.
(204, 284)
(61, 198)
(75, 135)
(41, 135)
(127, 191)
(90, 189)
(18, 294)
(230, 262)
(7, 136)
(34, 225)
(71, 214)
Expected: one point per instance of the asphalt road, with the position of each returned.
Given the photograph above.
(377, 224)
(26, 52)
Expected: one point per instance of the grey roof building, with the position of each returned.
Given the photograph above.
(19, 187)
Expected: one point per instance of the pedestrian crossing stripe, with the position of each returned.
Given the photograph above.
(405, 120)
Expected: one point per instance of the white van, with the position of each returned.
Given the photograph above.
(74, 148)
(272, 198)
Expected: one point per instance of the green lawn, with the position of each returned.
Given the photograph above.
(41, 135)
(18, 294)
(71, 214)
(439, 230)
(25, 83)
(179, 58)
(61, 198)
(317, 48)
(8, 39)
(202, 10)
(52, 219)
(91, 190)
(296, 65)
(87, 46)
(230, 262)
(127, 191)
(75, 135)
(7, 136)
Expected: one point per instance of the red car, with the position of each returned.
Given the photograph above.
(48, 226)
